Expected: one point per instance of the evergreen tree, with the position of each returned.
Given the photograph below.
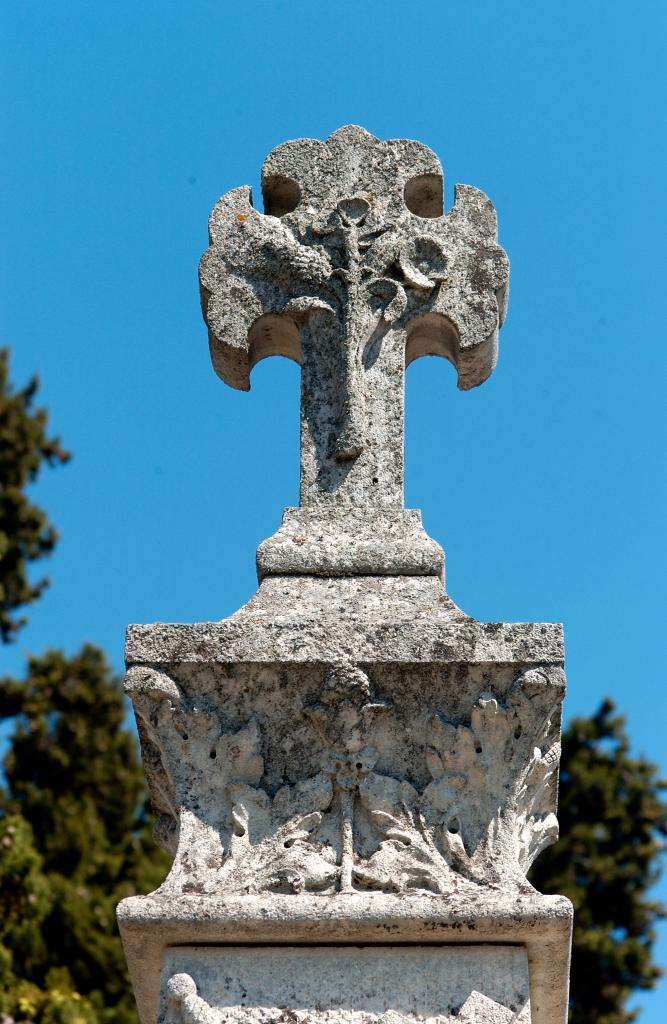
(612, 821)
(74, 838)
(25, 902)
(25, 531)
(75, 793)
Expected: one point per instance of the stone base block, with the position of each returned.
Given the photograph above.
(345, 985)
(535, 929)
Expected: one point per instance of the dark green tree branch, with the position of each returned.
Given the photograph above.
(26, 534)
(613, 820)
(80, 840)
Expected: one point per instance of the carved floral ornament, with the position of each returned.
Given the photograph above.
(483, 817)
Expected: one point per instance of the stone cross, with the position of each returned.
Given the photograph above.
(353, 271)
(351, 775)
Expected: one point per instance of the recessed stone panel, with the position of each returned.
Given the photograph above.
(346, 985)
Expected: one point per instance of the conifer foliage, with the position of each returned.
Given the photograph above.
(25, 531)
(613, 820)
(74, 837)
(74, 841)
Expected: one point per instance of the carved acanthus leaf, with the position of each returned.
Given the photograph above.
(494, 782)
(481, 820)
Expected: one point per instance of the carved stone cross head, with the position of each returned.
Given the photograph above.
(353, 271)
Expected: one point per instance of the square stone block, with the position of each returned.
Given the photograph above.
(476, 984)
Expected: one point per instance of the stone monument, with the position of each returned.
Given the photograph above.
(352, 775)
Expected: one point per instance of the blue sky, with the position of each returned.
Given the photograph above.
(123, 123)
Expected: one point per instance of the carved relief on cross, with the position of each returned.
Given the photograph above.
(353, 271)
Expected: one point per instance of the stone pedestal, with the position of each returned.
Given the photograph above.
(351, 761)
(352, 775)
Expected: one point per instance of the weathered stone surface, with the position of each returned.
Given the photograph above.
(358, 985)
(350, 758)
(283, 780)
(354, 271)
(349, 542)
(359, 619)
(542, 924)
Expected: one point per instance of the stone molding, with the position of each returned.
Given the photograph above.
(151, 927)
(391, 542)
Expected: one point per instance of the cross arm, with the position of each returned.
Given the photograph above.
(470, 306)
(257, 285)
(445, 280)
